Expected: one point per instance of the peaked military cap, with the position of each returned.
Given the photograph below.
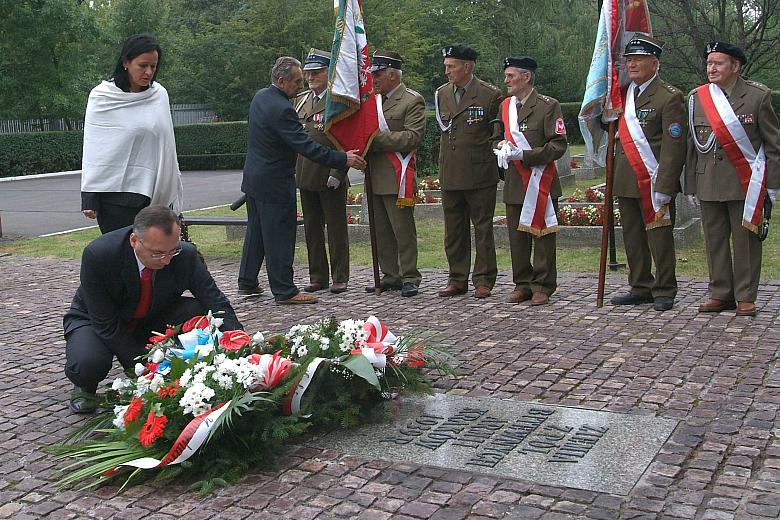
(643, 45)
(521, 62)
(460, 52)
(725, 48)
(316, 60)
(384, 59)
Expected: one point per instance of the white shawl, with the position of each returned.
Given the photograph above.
(129, 145)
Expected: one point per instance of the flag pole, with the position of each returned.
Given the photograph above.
(608, 213)
(372, 229)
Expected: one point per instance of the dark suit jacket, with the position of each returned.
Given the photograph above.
(275, 138)
(111, 286)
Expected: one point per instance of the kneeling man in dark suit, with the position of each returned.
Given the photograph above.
(132, 281)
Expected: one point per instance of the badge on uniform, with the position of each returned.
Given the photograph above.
(475, 115)
(675, 130)
(745, 119)
(643, 114)
(317, 119)
(560, 126)
(523, 125)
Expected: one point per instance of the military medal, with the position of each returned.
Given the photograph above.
(475, 115)
(745, 119)
(317, 120)
(523, 125)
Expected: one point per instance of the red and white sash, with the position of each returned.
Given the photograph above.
(750, 166)
(538, 214)
(640, 156)
(405, 170)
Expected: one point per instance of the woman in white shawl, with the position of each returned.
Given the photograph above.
(129, 159)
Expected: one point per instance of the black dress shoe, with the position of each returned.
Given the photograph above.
(631, 299)
(663, 303)
(82, 401)
(384, 286)
(408, 289)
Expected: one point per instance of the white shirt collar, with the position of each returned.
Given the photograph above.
(644, 85)
(141, 266)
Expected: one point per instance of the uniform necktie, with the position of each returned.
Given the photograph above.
(636, 95)
(459, 94)
(145, 299)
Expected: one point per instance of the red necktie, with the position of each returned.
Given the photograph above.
(145, 300)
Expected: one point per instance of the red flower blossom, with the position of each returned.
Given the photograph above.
(234, 340)
(196, 322)
(160, 338)
(133, 411)
(170, 390)
(152, 429)
(415, 356)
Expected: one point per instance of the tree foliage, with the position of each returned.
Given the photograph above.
(219, 52)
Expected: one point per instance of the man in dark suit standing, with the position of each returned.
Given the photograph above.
(275, 138)
(132, 281)
(468, 173)
(323, 190)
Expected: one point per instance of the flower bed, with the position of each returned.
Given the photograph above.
(210, 404)
(590, 215)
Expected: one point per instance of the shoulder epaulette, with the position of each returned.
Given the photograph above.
(413, 92)
(692, 92)
(488, 85)
(671, 88)
(442, 86)
(756, 84)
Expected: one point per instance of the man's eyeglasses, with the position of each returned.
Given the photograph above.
(159, 256)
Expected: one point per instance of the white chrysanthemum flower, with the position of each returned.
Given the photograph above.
(220, 358)
(184, 380)
(119, 416)
(195, 399)
(157, 356)
(156, 383)
(258, 337)
(139, 369)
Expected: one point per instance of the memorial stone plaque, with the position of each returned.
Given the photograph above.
(550, 445)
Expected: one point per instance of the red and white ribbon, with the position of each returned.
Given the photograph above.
(538, 214)
(655, 212)
(404, 166)
(750, 166)
(189, 441)
(292, 405)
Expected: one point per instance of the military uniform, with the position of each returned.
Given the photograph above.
(711, 176)
(538, 120)
(660, 111)
(404, 111)
(468, 175)
(322, 206)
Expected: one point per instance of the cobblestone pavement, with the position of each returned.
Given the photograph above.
(717, 374)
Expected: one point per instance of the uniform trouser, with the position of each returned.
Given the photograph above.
(542, 275)
(88, 358)
(270, 236)
(396, 241)
(320, 209)
(737, 279)
(645, 247)
(460, 207)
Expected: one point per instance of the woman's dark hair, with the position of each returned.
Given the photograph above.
(134, 46)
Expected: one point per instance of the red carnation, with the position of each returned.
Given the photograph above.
(234, 340)
(196, 322)
(152, 429)
(133, 411)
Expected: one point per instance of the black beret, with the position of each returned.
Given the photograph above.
(461, 52)
(317, 59)
(384, 59)
(643, 45)
(521, 62)
(725, 48)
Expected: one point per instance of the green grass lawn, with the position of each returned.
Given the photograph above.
(213, 243)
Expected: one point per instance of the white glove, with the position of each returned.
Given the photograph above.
(333, 182)
(508, 152)
(693, 200)
(772, 195)
(662, 198)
